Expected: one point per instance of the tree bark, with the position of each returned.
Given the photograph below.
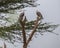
(24, 35)
(24, 46)
(25, 41)
(33, 31)
(4, 45)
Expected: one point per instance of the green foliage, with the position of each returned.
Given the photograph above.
(6, 5)
(9, 33)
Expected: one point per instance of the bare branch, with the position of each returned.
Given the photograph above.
(23, 28)
(39, 17)
(4, 45)
(34, 29)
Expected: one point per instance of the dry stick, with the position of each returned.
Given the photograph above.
(4, 45)
(24, 34)
(32, 33)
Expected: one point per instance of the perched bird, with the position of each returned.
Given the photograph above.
(39, 15)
